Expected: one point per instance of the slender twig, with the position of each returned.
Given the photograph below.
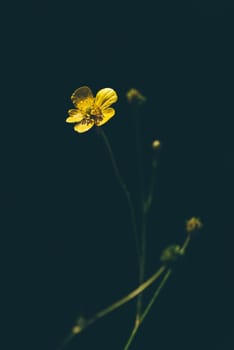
(132, 335)
(66, 341)
(185, 245)
(146, 204)
(147, 309)
(138, 140)
(124, 188)
(131, 295)
(142, 264)
(80, 327)
(158, 290)
(149, 199)
(153, 299)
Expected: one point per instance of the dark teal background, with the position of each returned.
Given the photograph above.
(66, 246)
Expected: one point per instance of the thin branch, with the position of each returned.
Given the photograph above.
(154, 298)
(79, 327)
(124, 188)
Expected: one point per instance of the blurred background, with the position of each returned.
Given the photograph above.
(67, 249)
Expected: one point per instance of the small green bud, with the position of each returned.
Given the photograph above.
(135, 97)
(156, 145)
(79, 325)
(171, 254)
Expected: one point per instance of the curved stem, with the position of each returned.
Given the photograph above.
(124, 188)
(149, 198)
(146, 204)
(138, 140)
(153, 299)
(132, 336)
(66, 341)
(147, 309)
(156, 294)
(131, 295)
(79, 327)
(185, 245)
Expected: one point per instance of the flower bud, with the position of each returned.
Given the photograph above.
(79, 325)
(193, 224)
(135, 97)
(171, 254)
(156, 145)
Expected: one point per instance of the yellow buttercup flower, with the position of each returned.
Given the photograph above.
(91, 110)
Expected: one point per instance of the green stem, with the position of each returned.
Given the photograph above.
(153, 299)
(147, 309)
(132, 336)
(138, 140)
(185, 245)
(146, 204)
(142, 264)
(66, 341)
(124, 188)
(80, 327)
(149, 198)
(156, 294)
(131, 295)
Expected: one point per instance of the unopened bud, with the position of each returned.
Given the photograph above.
(156, 144)
(135, 97)
(79, 325)
(171, 254)
(193, 224)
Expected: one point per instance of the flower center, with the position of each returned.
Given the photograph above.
(93, 113)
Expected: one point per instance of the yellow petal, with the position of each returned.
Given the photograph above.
(105, 98)
(83, 127)
(74, 116)
(106, 114)
(82, 98)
